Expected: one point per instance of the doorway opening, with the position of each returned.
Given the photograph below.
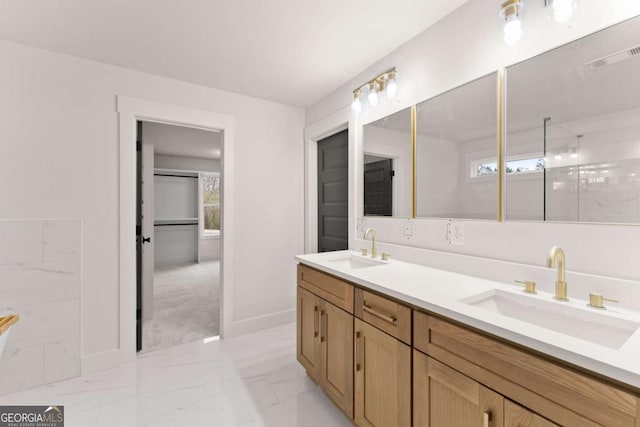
(178, 230)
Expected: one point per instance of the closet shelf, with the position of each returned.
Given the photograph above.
(176, 221)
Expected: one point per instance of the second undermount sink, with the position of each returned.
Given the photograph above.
(354, 261)
(596, 327)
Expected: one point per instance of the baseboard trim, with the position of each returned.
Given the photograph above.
(254, 324)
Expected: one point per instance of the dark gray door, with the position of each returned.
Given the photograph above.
(377, 188)
(333, 192)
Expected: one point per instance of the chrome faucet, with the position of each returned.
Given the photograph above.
(556, 257)
(374, 250)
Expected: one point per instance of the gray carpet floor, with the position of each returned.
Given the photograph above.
(186, 305)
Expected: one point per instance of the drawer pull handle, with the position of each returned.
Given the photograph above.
(315, 321)
(486, 418)
(358, 336)
(322, 331)
(385, 317)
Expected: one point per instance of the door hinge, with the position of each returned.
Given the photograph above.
(138, 145)
(393, 173)
(138, 230)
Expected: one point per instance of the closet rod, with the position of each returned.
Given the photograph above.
(177, 176)
(174, 224)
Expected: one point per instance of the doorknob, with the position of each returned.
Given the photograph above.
(146, 240)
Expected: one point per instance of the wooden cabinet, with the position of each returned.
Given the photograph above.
(517, 416)
(545, 386)
(382, 378)
(325, 334)
(385, 314)
(443, 397)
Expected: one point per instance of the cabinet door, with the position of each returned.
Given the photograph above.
(336, 361)
(308, 328)
(444, 397)
(517, 416)
(383, 378)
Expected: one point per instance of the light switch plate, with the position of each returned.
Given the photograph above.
(359, 222)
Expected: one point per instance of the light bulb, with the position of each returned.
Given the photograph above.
(356, 104)
(373, 94)
(392, 85)
(512, 30)
(563, 10)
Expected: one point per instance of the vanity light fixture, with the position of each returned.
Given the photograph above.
(386, 82)
(511, 21)
(561, 10)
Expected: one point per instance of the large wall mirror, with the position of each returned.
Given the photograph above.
(388, 167)
(573, 131)
(457, 152)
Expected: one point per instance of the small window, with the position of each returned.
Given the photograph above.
(211, 204)
(514, 165)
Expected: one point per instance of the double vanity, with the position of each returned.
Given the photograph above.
(399, 344)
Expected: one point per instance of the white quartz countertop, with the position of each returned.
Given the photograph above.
(441, 292)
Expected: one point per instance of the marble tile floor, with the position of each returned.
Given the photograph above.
(251, 380)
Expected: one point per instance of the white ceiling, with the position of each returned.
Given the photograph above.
(289, 51)
(171, 140)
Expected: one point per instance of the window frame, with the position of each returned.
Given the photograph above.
(206, 234)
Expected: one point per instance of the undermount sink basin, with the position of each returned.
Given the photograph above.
(586, 324)
(354, 261)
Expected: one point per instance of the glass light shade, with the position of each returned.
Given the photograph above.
(563, 10)
(392, 86)
(356, 105)
(373, 94)
(512, 30)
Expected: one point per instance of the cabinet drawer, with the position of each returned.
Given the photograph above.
(547, 387)
(327, 287)
(385, 314)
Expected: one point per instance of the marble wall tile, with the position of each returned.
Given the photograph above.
(40, 279)
(20, 242)
(21, 368)
(61, 240)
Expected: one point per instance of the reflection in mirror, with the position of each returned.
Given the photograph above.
(574, 114)
(456, 152)
(388, 166)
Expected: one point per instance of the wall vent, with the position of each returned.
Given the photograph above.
(614, 58)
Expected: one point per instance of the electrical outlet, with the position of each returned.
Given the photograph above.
(408, 229)
(455, 232)
(359, 222)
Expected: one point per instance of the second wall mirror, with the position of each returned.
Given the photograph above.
(573, 131)
(388, 168)
(457, 152)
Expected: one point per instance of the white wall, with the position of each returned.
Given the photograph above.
(59, 135)
(463, 46)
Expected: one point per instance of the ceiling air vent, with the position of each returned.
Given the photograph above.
(614, 58)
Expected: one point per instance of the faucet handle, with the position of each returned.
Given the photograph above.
(385, 256)
(597, 301)
(529, 286)
(363, 251)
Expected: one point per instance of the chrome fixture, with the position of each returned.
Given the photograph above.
(384, 82)
(529, 286)
(511, 21)
(556, 258)
(374, 250)
(597, 301)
